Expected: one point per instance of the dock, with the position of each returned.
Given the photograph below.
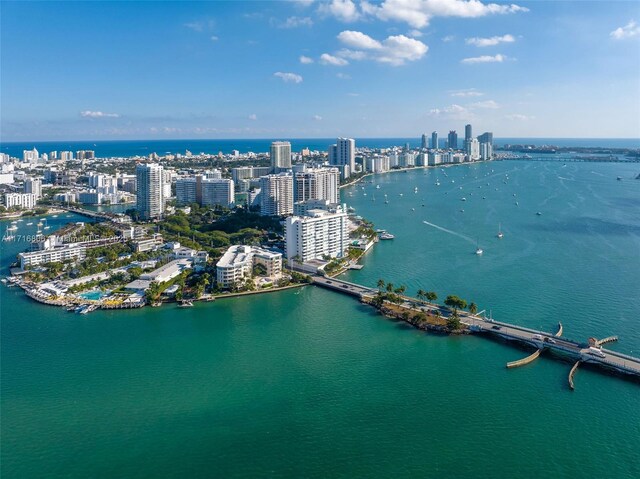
(588, 352)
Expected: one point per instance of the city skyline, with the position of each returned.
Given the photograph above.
(311, 69)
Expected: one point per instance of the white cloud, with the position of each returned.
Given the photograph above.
(489, 104)
(519, 117)
(448, 38)
(343, 76)
(343, 10)
(97, 114)
(484, 59)
(214, 38)
(317, 117)
(253, 117)
(305, 60)
(415, 33)
(631, 29)
(490, 42)
(466, 93)
(360, 40)
(418, 13)
(352, 54)
(395, 49)
(288, 77)
(201, 25)
(327, 59)
(452, 112)
(295, 22)
(353, 94)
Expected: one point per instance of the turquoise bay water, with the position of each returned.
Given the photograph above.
(316, 385)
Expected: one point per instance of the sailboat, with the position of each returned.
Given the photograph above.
(478, 249)
(386, 201)
(499, 235)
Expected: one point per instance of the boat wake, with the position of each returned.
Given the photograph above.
(459, 235)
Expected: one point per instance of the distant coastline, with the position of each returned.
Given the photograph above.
(126, 148)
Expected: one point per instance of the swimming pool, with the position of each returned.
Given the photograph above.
(93, 295)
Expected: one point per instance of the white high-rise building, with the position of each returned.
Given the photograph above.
(280, 156)
(317, 184)
(66, 155)
(217, 191)
(20, 200)
(276, 194)
(149, 195)
(343, 154)
(186, 191)
(319, 234)
(33, 185)
(30, 155)
(472, 147)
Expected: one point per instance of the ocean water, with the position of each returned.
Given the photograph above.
(124, 148)
(309, 383)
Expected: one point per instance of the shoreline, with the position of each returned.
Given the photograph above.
(396, 170)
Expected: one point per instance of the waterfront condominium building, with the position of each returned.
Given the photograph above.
(486, 145)
(276, 194)
(317, 235)
(237, 264)
(472, 149)
(424, 144)
(217, 191)
(20, 200)
(33, 185)
(149, 195)
(280, 156)
(434, 140)
(452, 140)
(343, 155)
(317, 184)
(468, 133)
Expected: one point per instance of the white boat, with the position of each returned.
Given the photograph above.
(54, 216)
(413, 209)
(29, 224)
(499, 235)
(386, 236)
(539, 214)
(377, 187)
(401, 194)
(463, 199)
(12, 228)
(185, 304)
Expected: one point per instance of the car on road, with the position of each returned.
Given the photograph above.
(345, 286)
(549, 340)
(496, 327)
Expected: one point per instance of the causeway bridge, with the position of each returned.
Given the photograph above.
(590, 352)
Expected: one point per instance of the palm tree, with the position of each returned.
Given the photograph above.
(389, 287)
(473, 308)
(401, 289)
(431, 296)
(421, 294)
(381, 284)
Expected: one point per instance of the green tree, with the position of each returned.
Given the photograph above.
(431, 296)
(455, 303)
(389, 287)
(421, 294)
(473, 308)
(453, 321)
(381, 284)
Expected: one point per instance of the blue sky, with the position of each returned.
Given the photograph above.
(392, 68)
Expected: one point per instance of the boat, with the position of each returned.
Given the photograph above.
(29, 224)
(499, 235)
(437, 183)
(401, 194)
(463, 199)
(12, 228)
(619, 178)
(478, 249)
(415, 190)
(539, 214)
(185, 304)
(413, 209)
(377, 187)
(54, 216)
(386, 236)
